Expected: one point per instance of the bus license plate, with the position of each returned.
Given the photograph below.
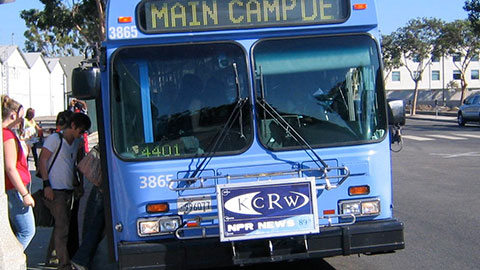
(194, 205)
(267, 209)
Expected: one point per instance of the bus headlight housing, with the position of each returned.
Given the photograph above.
(362, 207)
(157, 225)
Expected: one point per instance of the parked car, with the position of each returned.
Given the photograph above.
(470, 110)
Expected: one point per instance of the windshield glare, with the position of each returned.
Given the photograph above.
(327, 88)
(174, 101)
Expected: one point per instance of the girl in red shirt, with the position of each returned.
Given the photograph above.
(17, 175)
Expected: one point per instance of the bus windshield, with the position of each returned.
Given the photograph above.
(174, 101)
(326, 88)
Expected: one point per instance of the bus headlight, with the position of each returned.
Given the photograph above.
(157, 225)
(366, 207)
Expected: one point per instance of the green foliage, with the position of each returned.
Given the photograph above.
(64, 27)
(473, 9)
(392, 53)
(459, 38)
(417, 39)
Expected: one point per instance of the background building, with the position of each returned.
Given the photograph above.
(438, 81)
(35, 81)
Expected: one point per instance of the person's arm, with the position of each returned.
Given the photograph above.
(42, 162)
(84, 104)
(10, 163)
(38, 129)
(80, 156)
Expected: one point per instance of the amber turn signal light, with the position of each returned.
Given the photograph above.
(157, 208)
(124, 19)
(360, 6)
(358, 190)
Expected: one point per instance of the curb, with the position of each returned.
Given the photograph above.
(442, 119)
(434, 116)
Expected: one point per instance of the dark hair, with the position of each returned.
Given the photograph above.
(30, 113)
(80, 120)
(63, 118)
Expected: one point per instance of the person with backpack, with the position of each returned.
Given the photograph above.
(59, 180)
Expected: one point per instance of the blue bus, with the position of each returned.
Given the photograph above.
(237, 132)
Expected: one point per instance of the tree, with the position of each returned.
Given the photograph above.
(392, 54)
(473, 9)
(64, 26)
(417, 40)
(459, 39)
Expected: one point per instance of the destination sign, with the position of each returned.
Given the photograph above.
(161, 16)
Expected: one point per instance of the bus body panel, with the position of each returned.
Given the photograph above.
(139, 184)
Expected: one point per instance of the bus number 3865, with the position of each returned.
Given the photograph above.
(154, 181)
(122, 32)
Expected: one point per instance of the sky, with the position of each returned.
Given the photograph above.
(392, 14)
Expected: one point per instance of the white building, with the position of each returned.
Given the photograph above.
(436, 81)
(58, 82)
(15, 74)
(33, 80)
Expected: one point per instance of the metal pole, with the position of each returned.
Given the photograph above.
(443, 80)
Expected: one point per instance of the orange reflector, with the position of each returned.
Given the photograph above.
(329, 212)
(359, 190)
(360, 6)
(124, 19)
(157, 208)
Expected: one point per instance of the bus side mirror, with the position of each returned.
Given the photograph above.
(85, 82)
(396, 112)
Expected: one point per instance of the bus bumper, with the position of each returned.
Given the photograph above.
(363, 237)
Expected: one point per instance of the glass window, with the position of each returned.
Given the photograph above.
(468, 100)
(174, 101)
(475, 58)
(435, 75)
(396, 76)
(328, 90)
(456, 57)
(457, 75)
(474, 74)
(435, 59)
(476, 100)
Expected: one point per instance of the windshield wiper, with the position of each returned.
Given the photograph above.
(239, 98)
(283, 123)
(222, 134)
